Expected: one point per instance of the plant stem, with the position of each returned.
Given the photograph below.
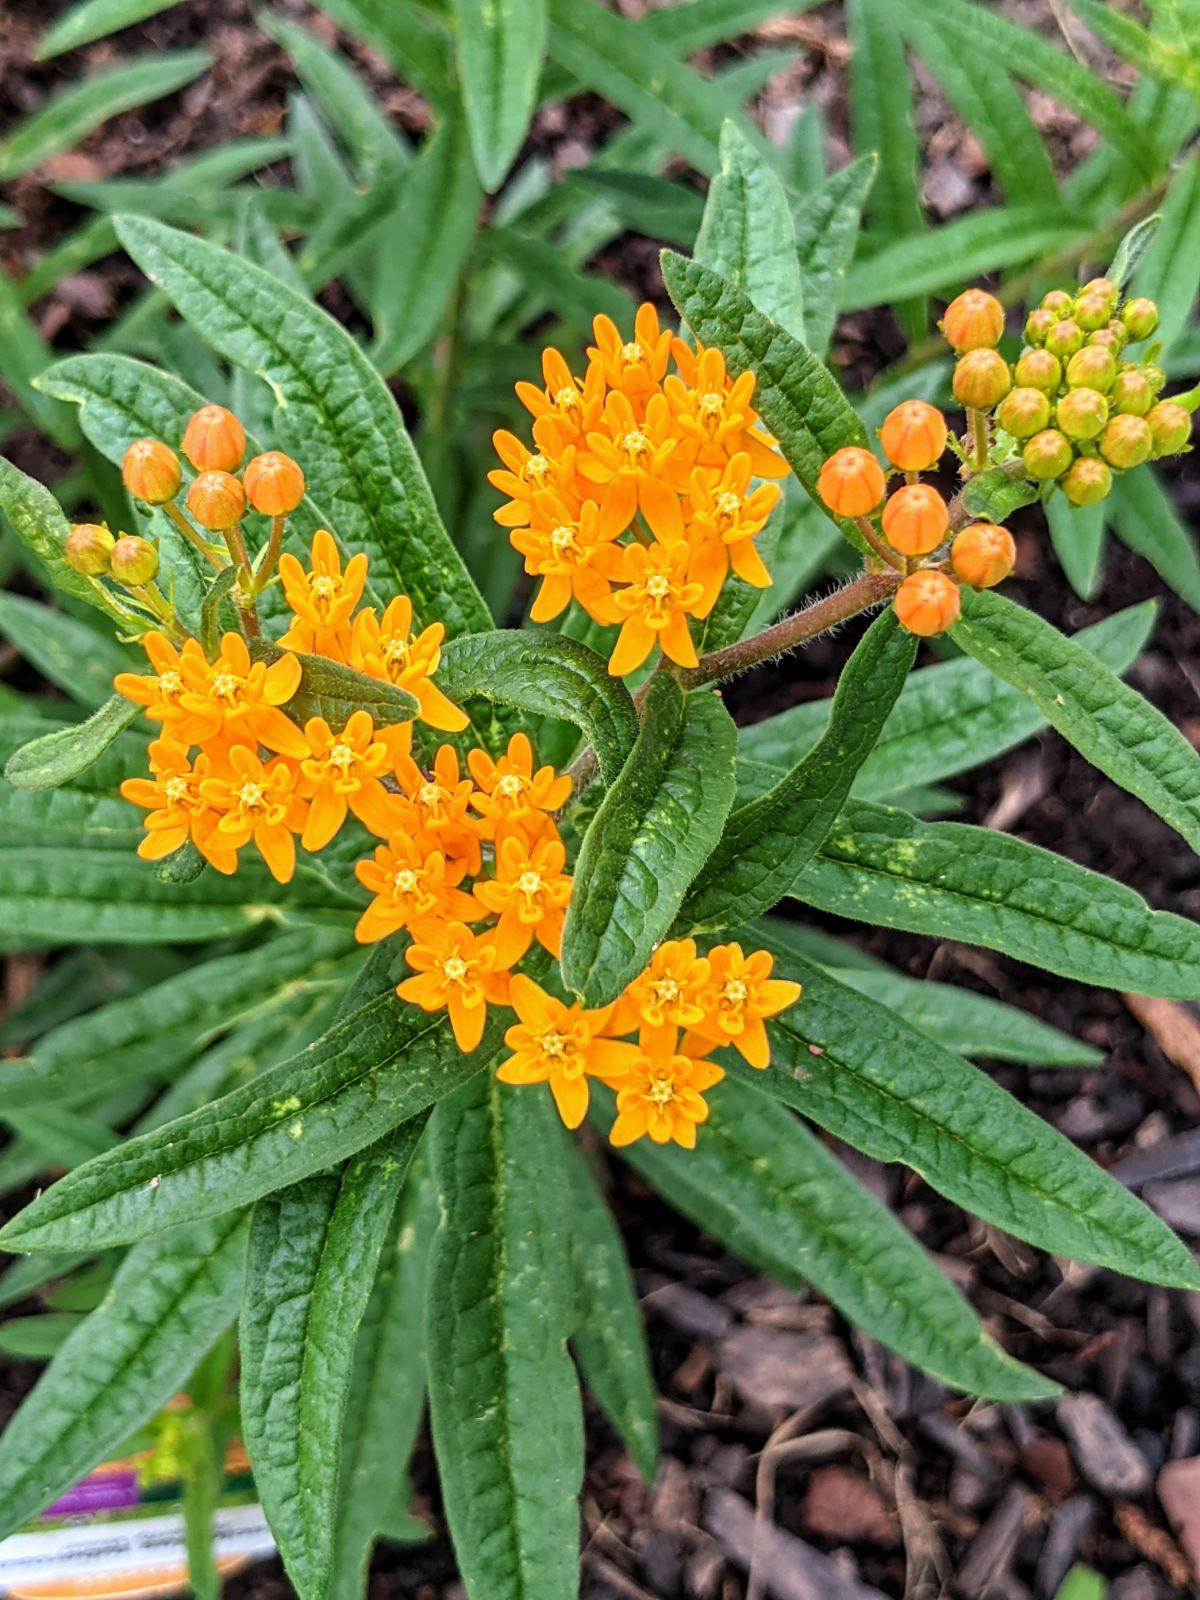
(243, 595)
(885, 553)
(979, 437)
(190, 534)
(269, 561)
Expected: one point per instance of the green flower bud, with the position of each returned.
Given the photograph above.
(1105, 288)
(1038, 369)
(1091, 311)
(1130, 394)
(1024, 412)
(1037, 325)
(1140, 318)
(1064, 338)
(1126, 442)
(1088, 481)
(88, 549)
(981, 379)
(134, 561)
(1059, 302)
(1081, 413)
(1107, 339)
(1093, 367)
(1170, 428)
(1047, 455)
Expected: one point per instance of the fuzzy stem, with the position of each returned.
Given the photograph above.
(269, 561)
(885, 553)
(189, 533)
(244, 589)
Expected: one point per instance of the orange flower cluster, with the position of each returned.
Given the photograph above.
(668, 458)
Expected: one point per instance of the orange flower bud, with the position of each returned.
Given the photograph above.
(1064, 339)
(1140, 318)
(88, 548)
(1092, 311)
(1127, 441)
(134, 561)
(1047, 455)
(981, 379)
(973, 321)
(1024, 412)
(1170, 427)
(983, 555)
(216, 500)
(927, 602)
(1105, 288)
(1088, 481)
(1130, 394)
(151, 472)
(851, 482)
(913, 435)
(1059, 302)
(1093, 367)
(214, 440)
(1081, 413)
(1109, 338)
(274, 484)
(1037, 325)
(1038, 369)
(915, 519)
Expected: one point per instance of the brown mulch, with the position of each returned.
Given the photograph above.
(869, 1479)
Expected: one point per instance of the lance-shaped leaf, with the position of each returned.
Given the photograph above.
(551, 676)
(827, 223)
(334, 414)
(767, 843)
(331, 690)
(859, 1070)
(1112, 725)
(609, 1338)
(883, 867)
(994, 495)
(80, 659)
(55, 758)
(170, 1301)
(763, 1185)
(503, 1395)
(310, 1262)
(1145, 520)
(500, 61)
(372, 1071)
(652, 834)
(41, 525)
(794, 393)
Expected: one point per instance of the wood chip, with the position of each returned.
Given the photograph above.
(1177, 1203)
(1174, 1028)
(1179, 1494)
(788, 1568)
(774, 1367)
(1168, 1158)
(1104, 1453)
(994, 1546)
(1061, 1545)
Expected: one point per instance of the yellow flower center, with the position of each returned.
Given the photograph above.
(170, 685)
(405, 881)
(556, 1046)
(734, 993)
(728, 505)
(225, 686)
(529, 884)
(511, 786)
(324, 587)
(660, 1091)
(711, 410)
(636, 447)
(454, 969)
(342, 757)
(658, 587)
(176, 790)
(563, 541)
(567, 399)
(432, 796)
(536, 470)
(632, 354)
(664, 991)
(251, 797)
(395, 650)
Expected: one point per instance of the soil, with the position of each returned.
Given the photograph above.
(869, 1479)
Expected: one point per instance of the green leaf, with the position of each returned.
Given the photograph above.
(1144, 519)
(169, 1302)
(402, 32)
(550, 675)
(1148, 51)
(994, 495)
(1132, 248)
(80, 659)
(882, 867)
(747, 235)
(24, 354)
(311, 1260)
(1170, 269)
(333, 691)
(37, 1338)
(55, 758)
(67, 117)
(659, 208)
(771, 1193)
(503, 1395)
(499, 61)
(767, 842)
(794, 393)
(1077, 534)
(387, 1390)
(576, 296)
(1111, 725)
(654, 830)
(93, 19)
(40, 524)
(334, 414)
(370, 1072)
(609, 1339)
(859, 1071)
(1082, 1583)
(827, 223)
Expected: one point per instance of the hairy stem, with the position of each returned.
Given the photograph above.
(244, 591)
(885, 553)
(190, 534)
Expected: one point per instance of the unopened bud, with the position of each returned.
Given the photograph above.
(927, 602)
(1105, 288)
(1038, 369)
(973, 321)
(134, 561)
(851, 482)
(1170, 428)
(1091, 312)
(1126, 442)
(915, 519)
(1130, 394)
(1037, 325)
(274, 484)
(1154, 376)
(1081, 413)
(1024, 412)
(88, 548)
(1093, 367)
(983, 555)
(1059, 302)
(981, 379)
(1140, 318)
(151, 472)
(1109, 338)
(913, 435)
(1064, 339)
(216, 500)
(214, 440)
(1047, 455)
(1088, 481)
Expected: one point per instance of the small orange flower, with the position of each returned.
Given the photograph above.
(913, 435)
(159, 693)
(511, 794)
(411, 885)
(740, 994)
(927, 603)
(527, 472)
(236, 700)
(851, 483)
(714, 412)
(436, 804)
(342, 775)
(636, 366)
(171, 797)
(322, 599)
(258, 804)
(386, 649)
(654, 608)
(638, 465)
(560, 1045)
(662, 1094)
(915, 519)
(571, 408)
(529, 894)
(671, 991)
(457, 971)
(572, 552)
(724, 523)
